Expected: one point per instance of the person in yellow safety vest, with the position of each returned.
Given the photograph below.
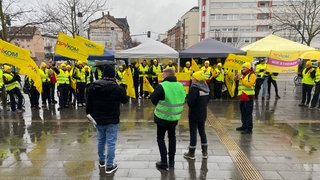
(219, 80)
(88, 78)
(33, 94)
(2, 89)
(120, 77)
(308, 75)
(315, 99)
(46, 83)
(53, 79)
(208, 74)
(135, 75)
(98, 72)
(187, 68)
(79, 75)
(143, 72)
(11, 82)
(272, 79)
(262, 78)
(155, 69)
(63, 83)
(170, 64)
(246, 91)
(72, 91)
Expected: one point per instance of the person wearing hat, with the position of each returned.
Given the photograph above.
(315, 99)
(143, 72)
(120, 76)
(72, 87)
(170, 64)
(187, 68)
(103, 104)
(262, 78)
(80, 77)
(197, 101)
(308, 75)
(135, 76)
(208, 74)
(155, 69)
(246, 93)
(45, 95)
(53, 80)
(169, 98)
(63, 84)
(11, 82)
(218, 81)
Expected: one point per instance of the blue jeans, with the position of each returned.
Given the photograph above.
(107, 134)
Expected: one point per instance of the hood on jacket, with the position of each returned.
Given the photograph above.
(201, 85)
(104, 86)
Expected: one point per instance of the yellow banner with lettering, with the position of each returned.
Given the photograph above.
(184, 78)
(283, 62)
(69, 47)
(93, 48)
(234, 62)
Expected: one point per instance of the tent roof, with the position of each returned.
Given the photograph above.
(149, 49)
(210, 48)
(263, 47)
(107, 55)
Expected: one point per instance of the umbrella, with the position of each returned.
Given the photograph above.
(312, 55)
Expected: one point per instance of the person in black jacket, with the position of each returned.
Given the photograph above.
(197, 101)
(103, 104)
(169, 97)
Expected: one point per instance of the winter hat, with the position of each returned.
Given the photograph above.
(109, 71)
(6, 67)
(187, 63)
(199, 76)
(247, 65)
(43, 64)
(309, 63)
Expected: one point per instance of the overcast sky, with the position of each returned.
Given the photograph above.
(157, 16)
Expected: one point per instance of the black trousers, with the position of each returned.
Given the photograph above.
(63, 94)
(246, 109)
(34, 98)
(195, 126)
(161, 131)
(15, 91)
(306, 93)
(81, 86)
(315, 97)
(45, 95)
(274, 83)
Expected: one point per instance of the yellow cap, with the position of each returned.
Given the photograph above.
(309, 63)
(79, 63)
(63, 65)
(68, 66)
(86, 67)
(187, 63)
(199, 76)
(170, 61)
(155, 60)
(120, 66)
(43, 64)
(247, 65)
(219, 64)
(207, 62)
(6, 67)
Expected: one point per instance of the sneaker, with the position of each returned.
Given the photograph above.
(79, 105)
(301, 104)
(277, 97)
(240, 128)
(83, 104)
(102, 164)
(20, 110)
(112, 168)
(312, 107)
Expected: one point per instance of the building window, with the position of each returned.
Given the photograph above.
(263, 28)
(248, 5)
(247, 16)
(264, 4)
(263, 16)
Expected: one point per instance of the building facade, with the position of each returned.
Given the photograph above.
(189, 30)
(240, 23)
(49, 45)
(111, 32)
(174, 37)
(29, 38)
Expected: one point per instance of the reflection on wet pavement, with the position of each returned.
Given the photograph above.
(48, 143)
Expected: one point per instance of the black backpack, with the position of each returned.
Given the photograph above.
(26, 86)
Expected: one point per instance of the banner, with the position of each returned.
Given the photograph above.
(146, 85)
(184, 78)
(93, 48)
(234, 62)
(230, 83)
(282, 62)
(68, 47)
(20, 58)
(129, 80)
(194, 65)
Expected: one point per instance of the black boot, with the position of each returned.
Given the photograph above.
(162, 165)
(190, 154)
(204, 151)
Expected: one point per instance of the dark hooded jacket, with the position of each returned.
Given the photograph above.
(197, 101)
(103, 102)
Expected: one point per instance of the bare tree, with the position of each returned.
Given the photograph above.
(301, 16)
(65, 12)
(11, 11)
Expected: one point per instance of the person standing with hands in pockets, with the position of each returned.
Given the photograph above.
(246, 93)
(169, 97)
(103, 104)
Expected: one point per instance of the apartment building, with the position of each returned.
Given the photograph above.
(241, 22)
(49, 45)
(189, 28)
(111, 32)
(29, 38)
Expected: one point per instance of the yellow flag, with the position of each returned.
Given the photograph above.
(234, 62)
(130, 86)
(146, 85)
(20, 58)
(68, 47)
(194, 65)
(93, 48)
(230, 83)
